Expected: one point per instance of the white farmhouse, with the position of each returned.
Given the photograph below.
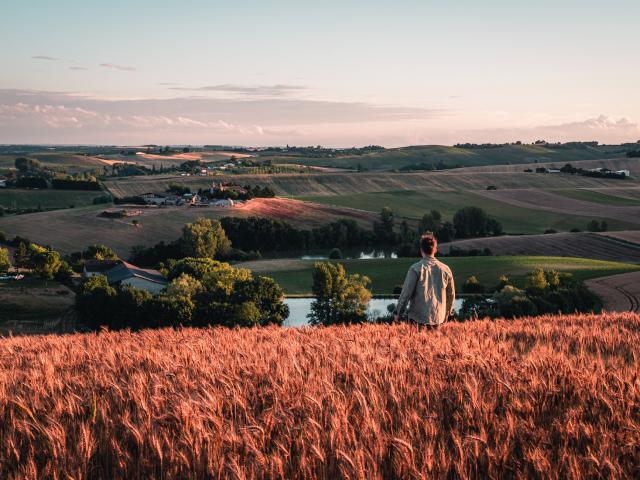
(127, 274)
(119, 272)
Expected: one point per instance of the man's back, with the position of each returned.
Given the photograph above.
(429, 291)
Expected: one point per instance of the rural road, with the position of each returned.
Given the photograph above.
(620, 293)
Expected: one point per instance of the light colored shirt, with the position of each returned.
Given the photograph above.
(429, 292)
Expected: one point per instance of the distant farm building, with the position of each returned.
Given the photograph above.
(223, 202)
(160, 199)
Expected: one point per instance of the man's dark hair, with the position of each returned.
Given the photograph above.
(428, 242)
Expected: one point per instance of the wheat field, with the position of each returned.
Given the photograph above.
(547, 397)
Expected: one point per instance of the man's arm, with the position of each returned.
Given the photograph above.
(407, 291)
(451, 294)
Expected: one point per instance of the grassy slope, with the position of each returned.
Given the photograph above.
(47, 199)
(608, 198)
(414, 204)
(451, 156)
(549, 397)
(295, 275)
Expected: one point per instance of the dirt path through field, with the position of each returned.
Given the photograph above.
(620, 293)
(543, 200)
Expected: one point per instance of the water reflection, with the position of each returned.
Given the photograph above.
(299, 308)
(372, 255)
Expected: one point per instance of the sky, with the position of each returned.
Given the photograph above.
(336, 73)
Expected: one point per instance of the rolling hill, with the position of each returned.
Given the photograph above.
(74, 229)
(449, 157)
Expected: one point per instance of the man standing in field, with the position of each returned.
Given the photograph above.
(428, 288)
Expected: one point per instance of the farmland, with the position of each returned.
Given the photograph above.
(550, 397)
(516, 218)
(550, 202)
(610, 246)
(46, 199)
(347, 183)
(385, 274)
(612, 197)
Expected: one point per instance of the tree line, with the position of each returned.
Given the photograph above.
(253, 236)
(32, 174)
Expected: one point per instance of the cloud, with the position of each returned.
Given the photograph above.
(44, 57)
(78, 68)
(601, 128)
(118, 67)
(278, 90)
(164, 84)
(599, 124)
(36, 116)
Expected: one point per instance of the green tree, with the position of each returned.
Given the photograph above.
(204, 238)
(64, 273)
(472, 285)
(446, 232)
(383, 229)
(94, 300)
(44, 262)
(21, 256)
(537, 280)
(24, 165)
(212, 274)
(184, 286)
(221, 294)
(99, 252)
(5, 263)
(339, 298)
(503, 281)
(513, 302)
(470, 222)
(266, 295)
(407, 234)
(430, 222)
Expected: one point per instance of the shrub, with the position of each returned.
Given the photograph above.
(5, 263)
(472, 285)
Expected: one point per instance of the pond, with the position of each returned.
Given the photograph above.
(359, 255)
(299, 308)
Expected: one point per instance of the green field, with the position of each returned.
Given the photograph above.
(597, 197)
(385, 274)
(414, 204)
(46, 199)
